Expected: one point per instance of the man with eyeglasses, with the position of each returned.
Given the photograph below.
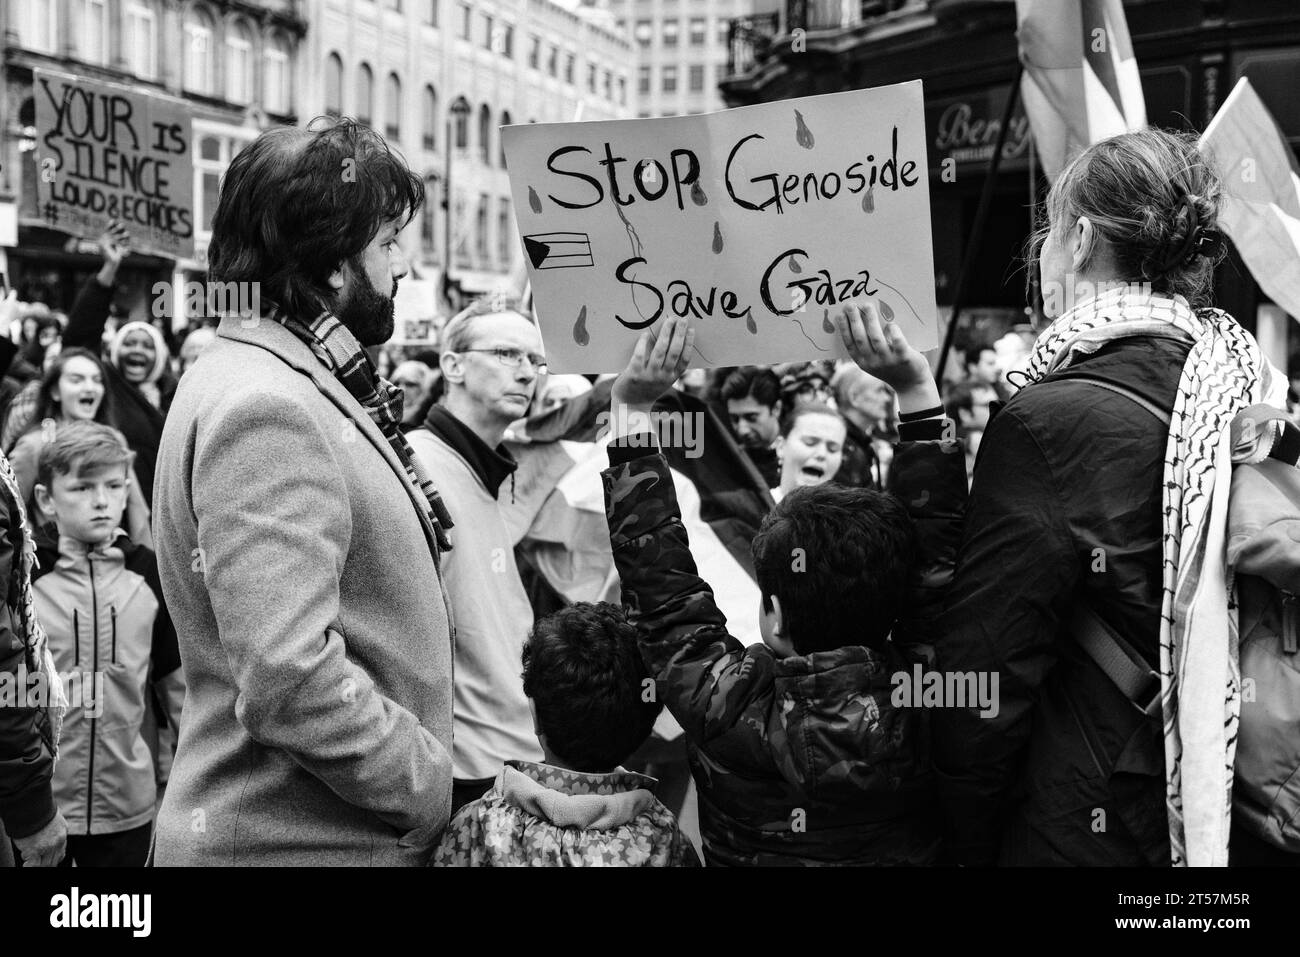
(491, 362)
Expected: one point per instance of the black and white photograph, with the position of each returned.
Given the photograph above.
(650, 433)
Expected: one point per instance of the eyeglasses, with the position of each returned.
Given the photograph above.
(514, 358)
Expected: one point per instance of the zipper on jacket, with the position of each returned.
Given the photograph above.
(94, 632)
(1290, 624)
(112, 610)
(76, 638)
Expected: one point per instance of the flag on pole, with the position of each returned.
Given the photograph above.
(1260, 211)
(1081, 82)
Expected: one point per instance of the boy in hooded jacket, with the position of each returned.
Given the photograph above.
(797, 747)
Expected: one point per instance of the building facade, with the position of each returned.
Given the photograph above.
(421, 71)
(1190, 54)
(681, 51)
(233, 62)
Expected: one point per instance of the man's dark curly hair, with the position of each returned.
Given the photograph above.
(838, 559)
(588, 683)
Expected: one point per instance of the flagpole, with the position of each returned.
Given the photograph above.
(981, 217)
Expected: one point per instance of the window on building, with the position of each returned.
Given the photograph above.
(43, 25)
(481, 228)
(198, 52)
(553, 62)
(365, 94)
(643, 78)
(671, 28)
(91, 24)
(239, 63)
(644, 115)
(427, 230)
(669, 79)
(507, 32)
(212, 156)
(334, 85)
(466, 21)
(699, 31)
(534, 52)
(505, 233)
(591, 77)
(485, 135)
(462, 124)
(430, 117)
(431, 12)
(276, 93)
(696, 77)
(644, 32)
(622, 91)
(141, 40)
(609, 86)
(505, 121)
(570, 63)
(724, 32)
(393, 108)
(488, 26)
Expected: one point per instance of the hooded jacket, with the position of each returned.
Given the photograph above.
(103, 611)
(801, 760)
(537, 815)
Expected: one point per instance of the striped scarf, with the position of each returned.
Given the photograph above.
(1200, 681)
(338, 350)
(38, 657)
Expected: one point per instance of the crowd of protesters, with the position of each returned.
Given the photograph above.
(280, 540)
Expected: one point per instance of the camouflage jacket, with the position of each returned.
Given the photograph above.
(800, 760)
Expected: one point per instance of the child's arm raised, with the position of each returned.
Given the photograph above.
(704, 676)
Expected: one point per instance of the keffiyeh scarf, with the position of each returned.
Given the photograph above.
(38, 657)
(338, 350)
(1224, 374)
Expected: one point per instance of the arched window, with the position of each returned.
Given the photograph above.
(461, 110)
(239, 63)
(393, 108)
(430, 118)
(140, 43)
(199, 34)
(90, 19)
(485, 134)
(334, 85)
(276, 83)
(365, 94)
(505, 121)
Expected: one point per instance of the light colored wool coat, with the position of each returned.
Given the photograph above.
(297, 563)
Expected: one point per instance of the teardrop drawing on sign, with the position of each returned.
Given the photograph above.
(717, 236)
(803, 136)
(697, 194)
(827, 325)
(580, 335)
(534, 202)
(886, 311)
(750, 324)
(869, 200)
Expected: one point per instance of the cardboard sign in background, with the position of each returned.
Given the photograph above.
(108, 152)
(758, 222)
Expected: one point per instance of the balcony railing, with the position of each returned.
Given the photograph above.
(749, 39)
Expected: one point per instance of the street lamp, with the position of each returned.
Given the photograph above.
(457, 113)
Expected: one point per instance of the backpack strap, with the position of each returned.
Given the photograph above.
(1126, 669)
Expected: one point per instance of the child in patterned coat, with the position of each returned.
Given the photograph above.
(593, 704)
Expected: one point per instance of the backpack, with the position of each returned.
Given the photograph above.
(1264, 558)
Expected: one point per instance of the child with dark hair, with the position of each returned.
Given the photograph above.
(797, 748)
(593, 704)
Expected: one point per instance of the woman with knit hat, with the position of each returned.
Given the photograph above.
(137, 376)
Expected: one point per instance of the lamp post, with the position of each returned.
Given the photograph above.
(457, 112)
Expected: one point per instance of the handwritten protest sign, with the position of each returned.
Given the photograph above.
(757, 222)
(108, 152)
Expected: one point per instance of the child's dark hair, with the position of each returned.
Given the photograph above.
(78, 446)
(838, 559)
(587, 681)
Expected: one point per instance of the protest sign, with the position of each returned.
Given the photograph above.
(759, 223)
(108, 152)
